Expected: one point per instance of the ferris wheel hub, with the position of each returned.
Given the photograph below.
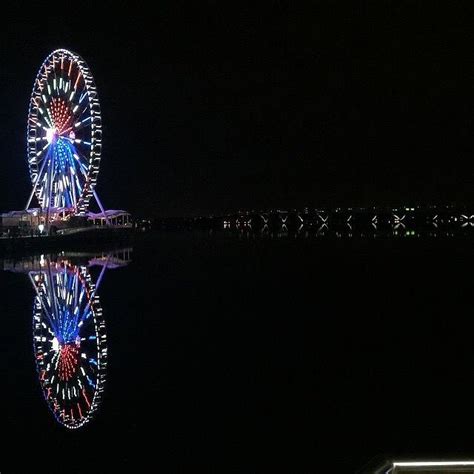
(51, 135)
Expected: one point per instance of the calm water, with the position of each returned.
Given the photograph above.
(232, 354)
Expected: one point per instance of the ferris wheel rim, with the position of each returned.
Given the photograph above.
(92, 159)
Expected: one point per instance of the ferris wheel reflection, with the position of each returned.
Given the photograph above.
(69, 332)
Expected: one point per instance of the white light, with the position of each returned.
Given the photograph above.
(55, 344)
(41, 227)
(433, 463)
(50, 134)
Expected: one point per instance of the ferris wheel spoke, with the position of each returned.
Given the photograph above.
(46, 116)
(70, 67)
(38, 154)
(37, 123)
(73, 187)
(43, 162)
(69, 190)
(84, 181)
(78, 77)
(73, 166)
(55, 303)
(79, 155)
(78, 111)
(52, 89)
(41, 299)
(50, 182)
(78, 184)
(34, 122)
(83, 123)
(77, 125)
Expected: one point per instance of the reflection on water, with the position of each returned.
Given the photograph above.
(69, 341)
(69, 332)
(347, 232)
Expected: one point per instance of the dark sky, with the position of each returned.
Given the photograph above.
(216, 106)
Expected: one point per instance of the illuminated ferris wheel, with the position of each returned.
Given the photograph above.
(64, 134)
(69, 341)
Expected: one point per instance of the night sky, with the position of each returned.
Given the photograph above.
(218, 106)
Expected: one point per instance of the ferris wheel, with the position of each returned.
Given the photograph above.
(69, 341)
(64, 134)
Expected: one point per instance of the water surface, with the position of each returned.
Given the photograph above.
(250, 354)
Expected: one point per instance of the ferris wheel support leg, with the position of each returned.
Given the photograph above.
(91, 299)
(35, 185)
(99, 280)
(101, 207)
(50, 187)
(31, 195)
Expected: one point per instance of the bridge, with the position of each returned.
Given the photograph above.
(397, 220)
